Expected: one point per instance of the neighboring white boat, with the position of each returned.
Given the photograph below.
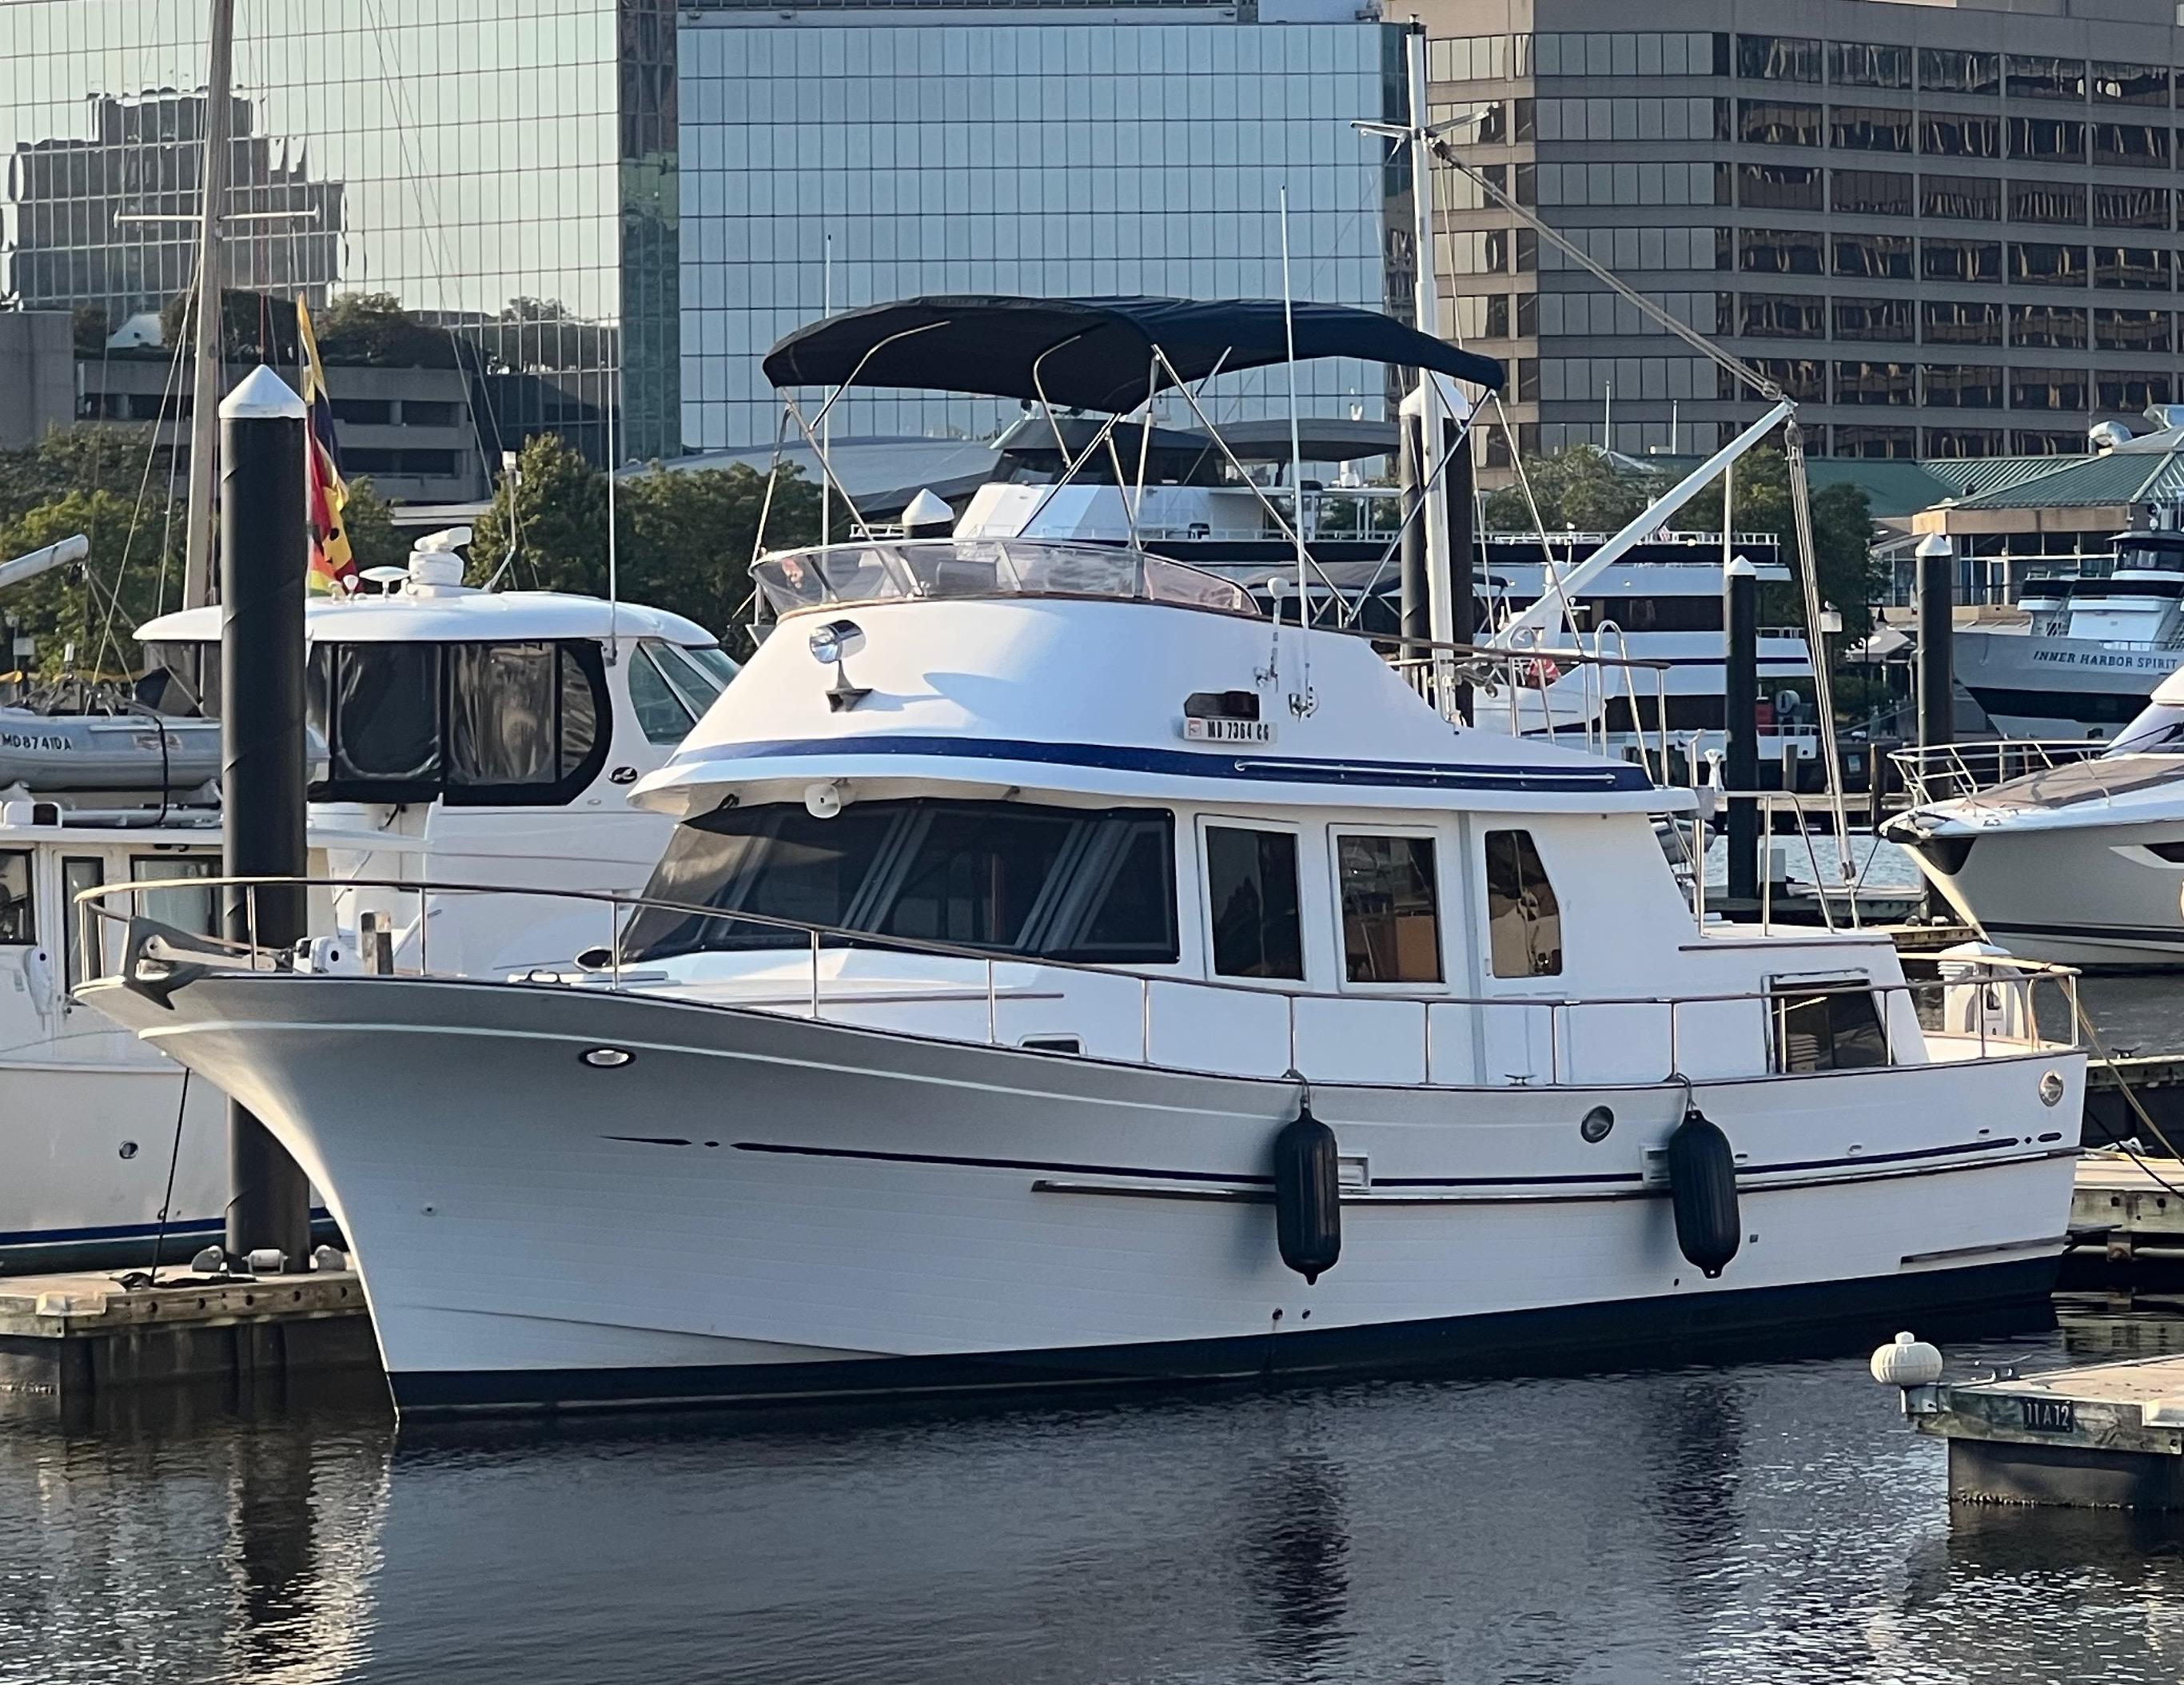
(2079, 859)
(2091, 650)
(1061, 975)
(469, 735)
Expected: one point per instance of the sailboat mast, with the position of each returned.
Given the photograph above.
(1440, 613)
(207, 371)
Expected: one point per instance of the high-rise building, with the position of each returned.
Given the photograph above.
(610, 208)
(1947, 231)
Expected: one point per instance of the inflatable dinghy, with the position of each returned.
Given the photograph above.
(106, 751)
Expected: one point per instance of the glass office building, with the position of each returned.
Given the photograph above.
(1946, 232)
(606, 211)
(1017, 154)
(504, 170)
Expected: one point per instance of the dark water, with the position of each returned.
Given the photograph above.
(1772, 1521)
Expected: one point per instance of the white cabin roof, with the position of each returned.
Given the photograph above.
(459, 616)
(1085, 697)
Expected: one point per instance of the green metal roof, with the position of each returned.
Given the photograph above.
(2122, 476)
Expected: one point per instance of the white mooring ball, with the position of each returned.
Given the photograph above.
(1906, 1362)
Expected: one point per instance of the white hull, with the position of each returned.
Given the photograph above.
(2052, 688)
(758, 1204)
(2071, 895)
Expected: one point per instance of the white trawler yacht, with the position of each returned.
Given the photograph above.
(2078, 859)
(1062, 973)
(469, 734)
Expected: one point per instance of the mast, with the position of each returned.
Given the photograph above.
(209, 370)
(1440, 566)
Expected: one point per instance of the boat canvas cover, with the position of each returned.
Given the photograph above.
(1093, 353)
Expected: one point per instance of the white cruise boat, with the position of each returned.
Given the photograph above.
(2079, 859)
(1060, 973)
(2091, 650)
(469, 736)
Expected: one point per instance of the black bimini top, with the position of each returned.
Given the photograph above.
(1092, 353)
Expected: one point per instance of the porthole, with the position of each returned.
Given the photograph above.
(607, 1059)
(1596, 1123)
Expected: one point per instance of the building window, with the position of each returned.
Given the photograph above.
(2023, 442)
(1862, 64)
(1949, 322)
(2140, 146)
(1865, 127)
(2047, 389)
(1949, 134)
(2131, 331)
(1777, 123)
(2058, 202)
(1780, 315)
(1973, 260)
(1677, 53)
(1780, 251)
(1778, 58)
(1968, 199)
(2033, 76)
(1870, 192)
(2132, 392)
(1473, 58)
(1828, 1026)
(1895, 442)
(1523, 917)
(1951, 385)
(1872, 319)
(2131, 84)
(2130, 269)
(2047, 327)
(1964, 441)
(1880, 383)
(2048, 140)
(2131, 207)
(1803, 378)
(1252, 887)
(1778, 186)
(1874, 257)
(2046, 265)
(1947, 70)
(1390, 923)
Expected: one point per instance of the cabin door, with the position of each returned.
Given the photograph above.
(1518, 949)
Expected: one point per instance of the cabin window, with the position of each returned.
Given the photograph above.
(1523, 918)
(19, 925)
(1833, 1025)
(516, 724)
(1251, 886)
(1390, 916)
(79, 872)
(184, 900)
(670, 687)
(1005, 877)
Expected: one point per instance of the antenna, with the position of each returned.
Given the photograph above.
(614, 559)
(1302, 702)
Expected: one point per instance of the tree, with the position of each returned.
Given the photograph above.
(81, 457)
(91, 328)
(684, 537)
(373, 540)
(1579, 488)
(373, 328)
(1842, 535)
(95, 605)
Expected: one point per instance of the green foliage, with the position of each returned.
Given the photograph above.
(684, 537)
(373, 540)
(1579, 487)
(79, 458)
(373, 328)
(91, 328)
(1842, 535)
(74, 604)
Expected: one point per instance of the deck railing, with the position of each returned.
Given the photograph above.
(2000, 1001)
(1946, 772)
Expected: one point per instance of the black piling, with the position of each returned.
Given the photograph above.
(263, 560)
(1741, 724)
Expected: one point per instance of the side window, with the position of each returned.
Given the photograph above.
(1830, 1025)
(661, 713)
(80, 872)
(1524, 919)
(385, 702)
(502, 703)
(19, 925)
(1252, 887)
(1390, 922)
(184, 900)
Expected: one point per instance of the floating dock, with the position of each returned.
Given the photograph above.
(69, 1340)
(2106, 1436)
(2130, 1206)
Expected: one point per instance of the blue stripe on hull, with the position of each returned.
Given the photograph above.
(1674, 1329)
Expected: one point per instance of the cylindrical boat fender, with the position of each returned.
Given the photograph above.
(1307, 1195)
(1703, 1188)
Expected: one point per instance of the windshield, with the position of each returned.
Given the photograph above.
(2158, 730)
(892, 570)
(1008, 877)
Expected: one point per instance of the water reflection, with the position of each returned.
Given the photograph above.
(1293, 1539)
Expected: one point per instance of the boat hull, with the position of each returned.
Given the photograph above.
(2090, 895)
(757, 1205)
(2051, 688)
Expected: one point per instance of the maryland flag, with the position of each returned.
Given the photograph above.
(333, 569)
